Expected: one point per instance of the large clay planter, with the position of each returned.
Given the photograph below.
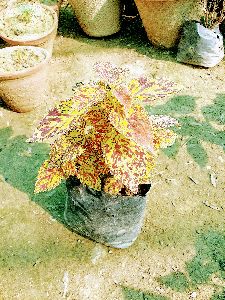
(115, 221)
(27, 89)
(163, 19)
(45, 40)
(98, 18)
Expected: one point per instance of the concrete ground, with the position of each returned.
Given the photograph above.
(180, 253)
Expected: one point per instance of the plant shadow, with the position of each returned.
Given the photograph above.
(24, 160)
(191, 131)
(209, 261)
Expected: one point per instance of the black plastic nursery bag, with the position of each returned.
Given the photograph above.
(200, 46)
(112, 220)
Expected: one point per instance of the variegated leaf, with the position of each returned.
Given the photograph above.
(68, 113)
(143, 91)
(162, 121)
(110, 73)
(48, 177)
(133, 124)
(113, 186)
(69, 168)
(91, 166)
(127, 160)
(67, 147)
(163, 138)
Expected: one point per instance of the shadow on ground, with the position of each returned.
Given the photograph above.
(191, 131)
(25, 158)
(20, 162)
(209, 261)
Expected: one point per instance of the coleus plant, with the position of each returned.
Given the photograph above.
(103, 135)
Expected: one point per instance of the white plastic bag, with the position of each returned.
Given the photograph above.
(200, 46)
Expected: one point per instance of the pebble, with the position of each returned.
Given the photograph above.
(193, 295)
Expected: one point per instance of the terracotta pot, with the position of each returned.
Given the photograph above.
(45, 40)
(163, 19)
(98, 18)
(27, 89)
(55, 6)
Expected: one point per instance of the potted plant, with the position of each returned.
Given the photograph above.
(98, 18)
(202, 42)
(104, 144)
(23, 77)
(29, 24)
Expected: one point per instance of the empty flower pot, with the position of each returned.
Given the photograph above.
(98, 18)
(163, 19)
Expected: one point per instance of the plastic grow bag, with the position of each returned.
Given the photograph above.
(200, 46)
(112, 220)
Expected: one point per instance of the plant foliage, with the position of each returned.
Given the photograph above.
(214, 13)
(103, 135)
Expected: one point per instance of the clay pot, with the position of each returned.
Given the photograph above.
(44, 40)
(55, 6)
(163, 19)
(98, 18)
(27, 89)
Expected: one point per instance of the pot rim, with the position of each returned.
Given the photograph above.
(28, 71)
(42, 37)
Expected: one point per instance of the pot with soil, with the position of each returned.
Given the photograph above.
(104, 145)
(98, 18)
(163, 19)
(23, 77)
(29, 24)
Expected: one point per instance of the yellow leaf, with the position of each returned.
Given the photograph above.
(113, 186)
(68, 113)
(91, 167)
(128, 162)
(48, 178)
(133, 124)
